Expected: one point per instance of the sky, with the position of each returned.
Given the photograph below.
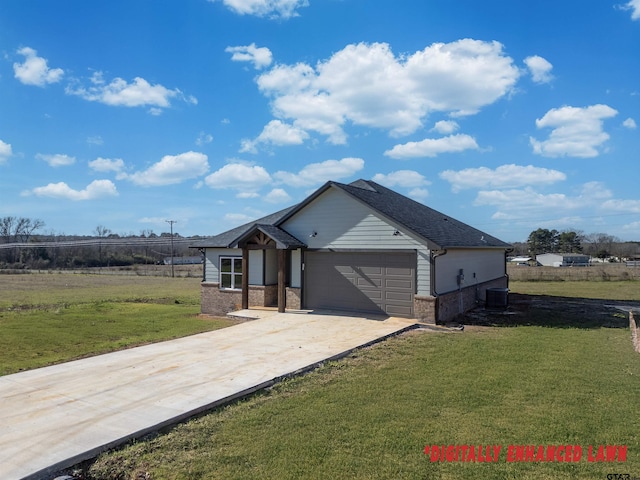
(507, 115)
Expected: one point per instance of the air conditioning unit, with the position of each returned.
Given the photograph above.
(497, 297)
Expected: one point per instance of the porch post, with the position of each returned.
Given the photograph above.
(282, 289)
(245, 278)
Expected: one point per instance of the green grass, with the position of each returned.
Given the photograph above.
(52, 289)
(52, 318)
(371, 415)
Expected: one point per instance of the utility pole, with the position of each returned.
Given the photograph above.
(171, 222)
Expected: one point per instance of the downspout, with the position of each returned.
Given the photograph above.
(435, 254)
(507, 251)
(203, 252)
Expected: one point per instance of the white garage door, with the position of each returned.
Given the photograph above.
(364, 282)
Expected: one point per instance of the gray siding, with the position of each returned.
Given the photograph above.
(296, 268)
(212, 261)
(271, 266)
(341, 222)
(212, 264)
(479, 265)
(256, 267)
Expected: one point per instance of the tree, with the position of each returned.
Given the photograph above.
(601, 244)
(102, 231)
(17, 230)
(542, 240)
(569, 242)
(14, 229)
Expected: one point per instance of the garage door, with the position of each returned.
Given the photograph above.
(365, 282)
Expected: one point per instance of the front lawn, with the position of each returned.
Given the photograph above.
(53, 318)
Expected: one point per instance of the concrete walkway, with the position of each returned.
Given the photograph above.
(54, 417)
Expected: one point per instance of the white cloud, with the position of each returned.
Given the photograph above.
(241, 176)
(630, 206)
(457, 78)
(629, 123)
(119, 93)
(277, 195)
(634, 6)
(107, 164)
(445, 127)
(576, 132)
(96, 189)
(171, 169)
(317, 173)
(34, 69)
(247, 195)
(633, 226)
(419, 194)
(275, 133)
(503, 176)
(265, 8)
(95, 140)
(595, 191)
(525, 200)
(431, 147)
(401, 178)
(527, 203)
(204, 138)
(57, 160)
(261, 57)
(539, 68)
(5, 152)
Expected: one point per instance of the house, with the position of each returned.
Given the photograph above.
(357, 247)
(563, 260)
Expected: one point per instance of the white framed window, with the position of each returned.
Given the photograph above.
(231, 273)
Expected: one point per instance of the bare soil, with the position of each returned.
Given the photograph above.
(558, 312)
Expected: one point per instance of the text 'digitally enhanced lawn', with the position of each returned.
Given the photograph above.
(539, 401)
(57, 317)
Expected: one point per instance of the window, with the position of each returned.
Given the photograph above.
(231, 273)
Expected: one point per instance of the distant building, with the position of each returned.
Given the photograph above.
(520, 260)
(184, 260)
(563, 260)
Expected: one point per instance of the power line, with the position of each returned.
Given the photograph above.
(116, 242)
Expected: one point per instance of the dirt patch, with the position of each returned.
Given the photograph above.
(559, 312)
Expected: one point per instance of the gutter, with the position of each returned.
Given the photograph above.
(432, 274)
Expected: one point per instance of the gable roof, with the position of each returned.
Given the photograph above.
(230, 237)
(437, 229)
(282, 239)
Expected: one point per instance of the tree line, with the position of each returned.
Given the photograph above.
(23, 246)
(599, 245)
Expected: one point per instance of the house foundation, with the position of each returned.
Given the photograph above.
(428, 309)
(452, 304)
(216, 301)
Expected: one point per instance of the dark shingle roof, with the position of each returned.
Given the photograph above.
(280, 237)
(226, 239)
(438, 229)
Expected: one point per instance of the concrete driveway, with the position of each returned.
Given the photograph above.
(54, 417)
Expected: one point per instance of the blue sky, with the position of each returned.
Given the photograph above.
(507, 115)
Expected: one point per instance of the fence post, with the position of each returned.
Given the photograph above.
(634, 332)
